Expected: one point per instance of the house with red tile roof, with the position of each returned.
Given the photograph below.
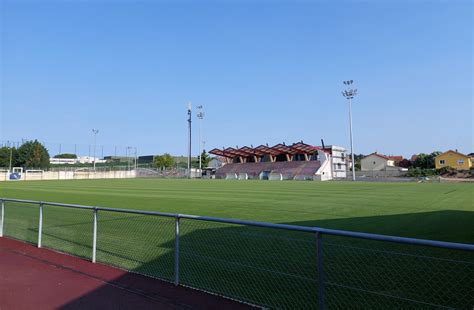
(377, 162)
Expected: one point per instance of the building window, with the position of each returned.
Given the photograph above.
(342, 155)
(441, 161)
(339, 166)
(460, 162)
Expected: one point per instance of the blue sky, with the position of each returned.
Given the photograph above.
(265, 72)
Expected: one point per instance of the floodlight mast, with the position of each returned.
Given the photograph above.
(200, 116)
(349, 94)
(189, 143)
(95, 131)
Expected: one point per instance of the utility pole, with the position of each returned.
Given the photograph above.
(200, 115)
(189, 143)
(129, 154)
(349, 94)
(95, 131)
(136, 159)
(11, 155)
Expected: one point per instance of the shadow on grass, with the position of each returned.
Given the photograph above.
(278, 269)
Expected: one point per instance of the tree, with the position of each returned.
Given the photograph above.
(205, 159)
(33, 154)
(405, 163)
(357, 158)
(65, 155)
(163, 161)
(425, 161)
(5, 153)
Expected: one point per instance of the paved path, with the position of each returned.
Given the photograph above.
(32, 278)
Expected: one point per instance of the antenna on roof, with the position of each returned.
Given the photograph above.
(322, 143)
(251, 145)
(284, 143)
(267, 144)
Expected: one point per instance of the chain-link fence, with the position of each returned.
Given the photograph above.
(91, 149)
(268, 265)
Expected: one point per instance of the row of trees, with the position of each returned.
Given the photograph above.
(166, 161)
(425, 161)
(423, 165)
(33, 155)
(30, 155)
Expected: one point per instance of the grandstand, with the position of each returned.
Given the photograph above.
(299, 161)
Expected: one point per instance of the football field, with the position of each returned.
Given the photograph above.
(430, 211)
(263, 266)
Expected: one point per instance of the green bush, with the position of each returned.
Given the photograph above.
(420, 172)
(65, 155)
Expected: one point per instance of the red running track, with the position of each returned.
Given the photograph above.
(32, 278)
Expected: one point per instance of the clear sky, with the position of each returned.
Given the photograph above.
(265, 72)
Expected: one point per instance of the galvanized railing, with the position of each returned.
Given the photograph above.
(265, 264)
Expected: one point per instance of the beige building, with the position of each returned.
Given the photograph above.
(377, 162)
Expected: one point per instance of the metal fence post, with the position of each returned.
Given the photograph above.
(94, 237)
(40, 224)
(2, 218)
(319, 250)
(176, 252)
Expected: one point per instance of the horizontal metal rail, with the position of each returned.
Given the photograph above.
(333, 232)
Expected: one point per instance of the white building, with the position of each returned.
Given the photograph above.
(62, 161)
(325, 172)
(79, 160)
(90, 160)
(338, 159)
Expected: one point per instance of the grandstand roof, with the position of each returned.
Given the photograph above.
(261, 150)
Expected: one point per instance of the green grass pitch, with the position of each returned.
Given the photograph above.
(263, 266)
(431, 211)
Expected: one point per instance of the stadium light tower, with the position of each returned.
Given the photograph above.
(200, 115)
(95, 131)
(189, 142)
(350, 93)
